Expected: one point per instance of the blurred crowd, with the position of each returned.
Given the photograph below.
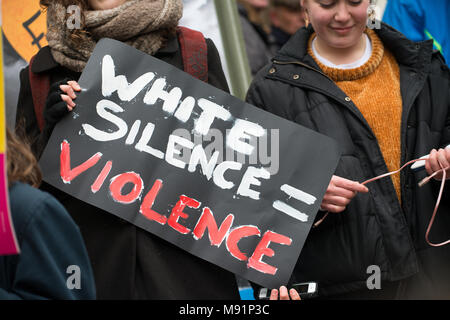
(267, 25)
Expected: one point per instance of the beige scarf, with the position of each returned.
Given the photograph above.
(138, 23)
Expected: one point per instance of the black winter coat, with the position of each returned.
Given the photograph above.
(128, 262)
(375, 229)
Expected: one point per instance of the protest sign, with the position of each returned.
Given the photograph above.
(190, 164)
(8, 241)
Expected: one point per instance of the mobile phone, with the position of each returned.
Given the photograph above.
(305, 290)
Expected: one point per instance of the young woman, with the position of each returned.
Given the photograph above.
(52, 249)
(385, 100)
(128, 262)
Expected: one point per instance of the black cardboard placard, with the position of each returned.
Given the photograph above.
(140, 143)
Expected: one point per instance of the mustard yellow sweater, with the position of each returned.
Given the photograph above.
(375, 90)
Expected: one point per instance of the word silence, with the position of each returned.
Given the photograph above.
(121, 151)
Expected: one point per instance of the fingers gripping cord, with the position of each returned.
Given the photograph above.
(421, 183)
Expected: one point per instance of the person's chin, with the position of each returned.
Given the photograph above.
(340, 44)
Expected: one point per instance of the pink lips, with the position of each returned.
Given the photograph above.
(342, 30)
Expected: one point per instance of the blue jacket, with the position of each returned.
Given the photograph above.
(50, 243)
(422, 20)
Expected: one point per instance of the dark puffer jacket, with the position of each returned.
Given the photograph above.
(375, 229)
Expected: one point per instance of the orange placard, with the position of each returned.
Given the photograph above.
(24, 25)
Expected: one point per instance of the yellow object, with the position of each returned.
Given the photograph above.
(375, 90)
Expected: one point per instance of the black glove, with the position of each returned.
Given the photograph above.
(55, 110)
(55, 107)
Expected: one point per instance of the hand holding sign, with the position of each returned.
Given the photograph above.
(59, 101)
(69, 93)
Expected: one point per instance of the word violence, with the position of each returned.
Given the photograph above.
(226, 232)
